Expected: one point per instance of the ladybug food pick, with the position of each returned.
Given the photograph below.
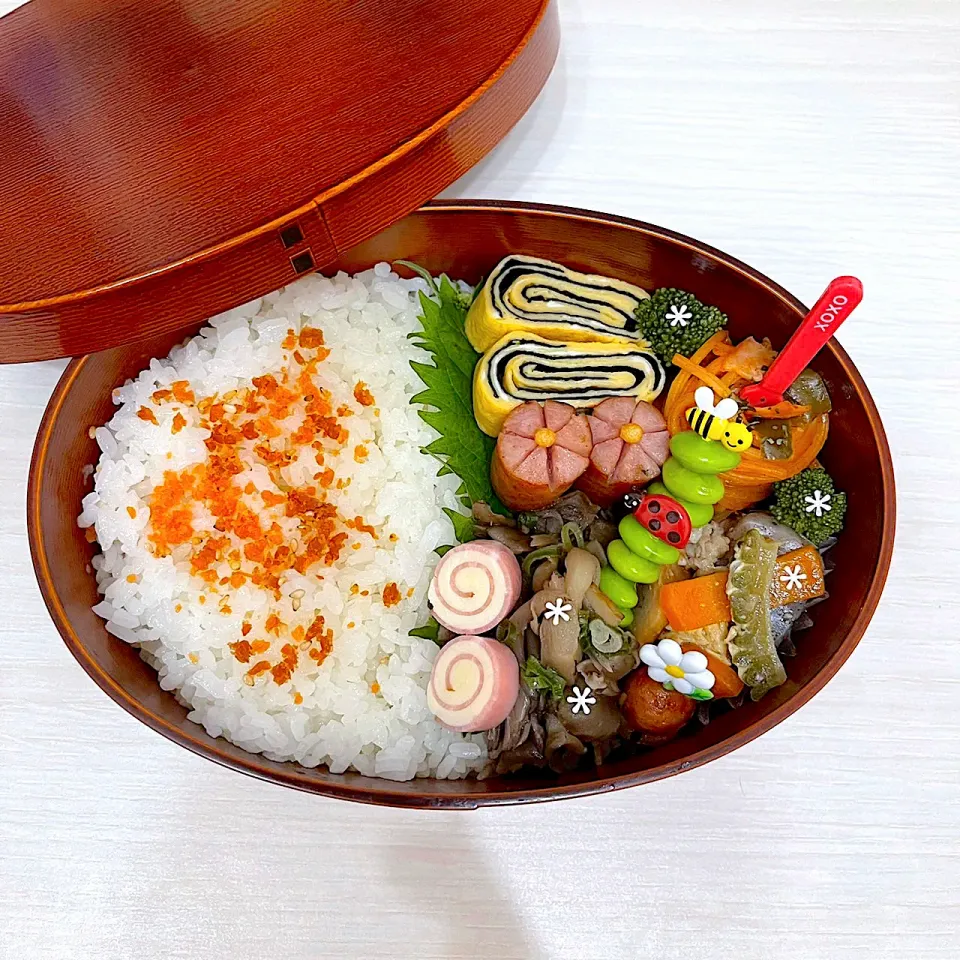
(666, 519)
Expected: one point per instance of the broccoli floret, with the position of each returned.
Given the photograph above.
(674, 321)
(810, 504)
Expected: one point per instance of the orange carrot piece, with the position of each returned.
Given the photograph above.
(780, 411)
(692, 604)
(798, 576)
(728, 680)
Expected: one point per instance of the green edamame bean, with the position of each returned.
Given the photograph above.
(702, 456)
(627, 618)
(621, 592)
(695, 487)
(700, 513)
(629, 565)
(644, 544)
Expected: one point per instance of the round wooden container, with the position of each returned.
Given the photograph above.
(466, 240)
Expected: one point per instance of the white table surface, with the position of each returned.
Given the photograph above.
(809, 138)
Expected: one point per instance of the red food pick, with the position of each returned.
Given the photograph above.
(666, 519)
(839, 300)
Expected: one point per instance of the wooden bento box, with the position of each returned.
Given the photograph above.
(184, 182)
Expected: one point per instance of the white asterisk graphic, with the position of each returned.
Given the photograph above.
(819, 503)
(581, 700)
(557, 611)
(794, 577)
(679, 315)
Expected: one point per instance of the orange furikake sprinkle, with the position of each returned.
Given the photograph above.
(391, 595)
(290, 340)
(374, 688)
(241, 650)
(360, 453)
(362, 395)
(357, 524)
(261, 666)
(232, 537)
(298, 698)
(145, 413)
(132, 513)
(181, 391)
(311, 337)
(160, 395)
(90, 534)
(131, 578)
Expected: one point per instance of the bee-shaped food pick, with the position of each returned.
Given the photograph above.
(712, 421)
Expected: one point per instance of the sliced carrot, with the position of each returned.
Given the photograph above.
(783, 410)
(740, 496)
(691, 604)
(728, 680)
(702, 374)
(798, 575)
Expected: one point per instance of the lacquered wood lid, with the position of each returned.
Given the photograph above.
(162, 160)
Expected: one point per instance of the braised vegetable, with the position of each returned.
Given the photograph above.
(784, 410)
(649, 618)
(776, 440)
(798, 576)
(601, 723)
(560, 637)
(691, 604)
(810, 390)
(542, 679)
(810, 504)
(728, 683)
(581, 570)
(753, 650)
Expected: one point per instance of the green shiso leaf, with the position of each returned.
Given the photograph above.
(463, 527)
(462, 446)
(429, 631)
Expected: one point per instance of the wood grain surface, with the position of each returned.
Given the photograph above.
(164, 160)
(809, 138)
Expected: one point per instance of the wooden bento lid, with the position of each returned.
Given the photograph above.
(163, 160)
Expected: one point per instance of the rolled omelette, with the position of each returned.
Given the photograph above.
(523, 366)
(538, 296)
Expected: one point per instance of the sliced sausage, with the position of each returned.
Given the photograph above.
(630, 445)
(541, 451)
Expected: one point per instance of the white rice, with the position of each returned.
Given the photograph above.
(153, 601)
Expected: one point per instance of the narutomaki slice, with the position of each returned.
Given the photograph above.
(474, 684)
(630, 444)
(542, 449)
(475, 586)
